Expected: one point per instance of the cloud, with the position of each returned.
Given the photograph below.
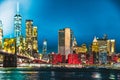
(7, 12)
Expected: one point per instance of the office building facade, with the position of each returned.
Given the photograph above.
(65, 38)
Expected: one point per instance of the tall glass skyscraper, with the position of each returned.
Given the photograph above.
(17, 26)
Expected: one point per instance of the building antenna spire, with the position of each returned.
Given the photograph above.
(17, 7)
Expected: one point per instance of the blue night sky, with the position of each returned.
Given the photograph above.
(86, 18)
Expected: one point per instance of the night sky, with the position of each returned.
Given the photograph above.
(86, 18)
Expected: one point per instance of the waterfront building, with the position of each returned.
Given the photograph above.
(102, 51)
(1, 35)
(73, 59)
(65, 38)
(102, 47)
(17, 27)
(81, 51)
(90, 60)
(95, 51)
(106, 47)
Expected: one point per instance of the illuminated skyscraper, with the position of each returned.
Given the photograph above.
(101, 47)
(17, 26)
(65, 39)
(95, 51)
(95, 47)
(34, 37)
(107, 45)
(29, 41)
(31, 38)
(44, 46)
(102, 43)
(1, 35)
(111, 46)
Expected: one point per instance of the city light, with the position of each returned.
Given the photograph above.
(63, 39)
(101, 51)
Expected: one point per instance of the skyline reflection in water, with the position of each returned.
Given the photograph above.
(15, 74)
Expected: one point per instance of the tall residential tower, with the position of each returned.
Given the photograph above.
(29, 41)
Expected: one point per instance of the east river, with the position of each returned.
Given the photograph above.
(58, 74)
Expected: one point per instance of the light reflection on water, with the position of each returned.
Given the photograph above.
(57, 75)
(96, 75)
(112, 76)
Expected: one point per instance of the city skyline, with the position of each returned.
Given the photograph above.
(50, 17)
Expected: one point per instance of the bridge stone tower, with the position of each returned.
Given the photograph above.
(10, 60)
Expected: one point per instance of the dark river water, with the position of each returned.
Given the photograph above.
(58, 74)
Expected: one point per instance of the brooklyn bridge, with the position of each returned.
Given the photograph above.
(10, 59)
